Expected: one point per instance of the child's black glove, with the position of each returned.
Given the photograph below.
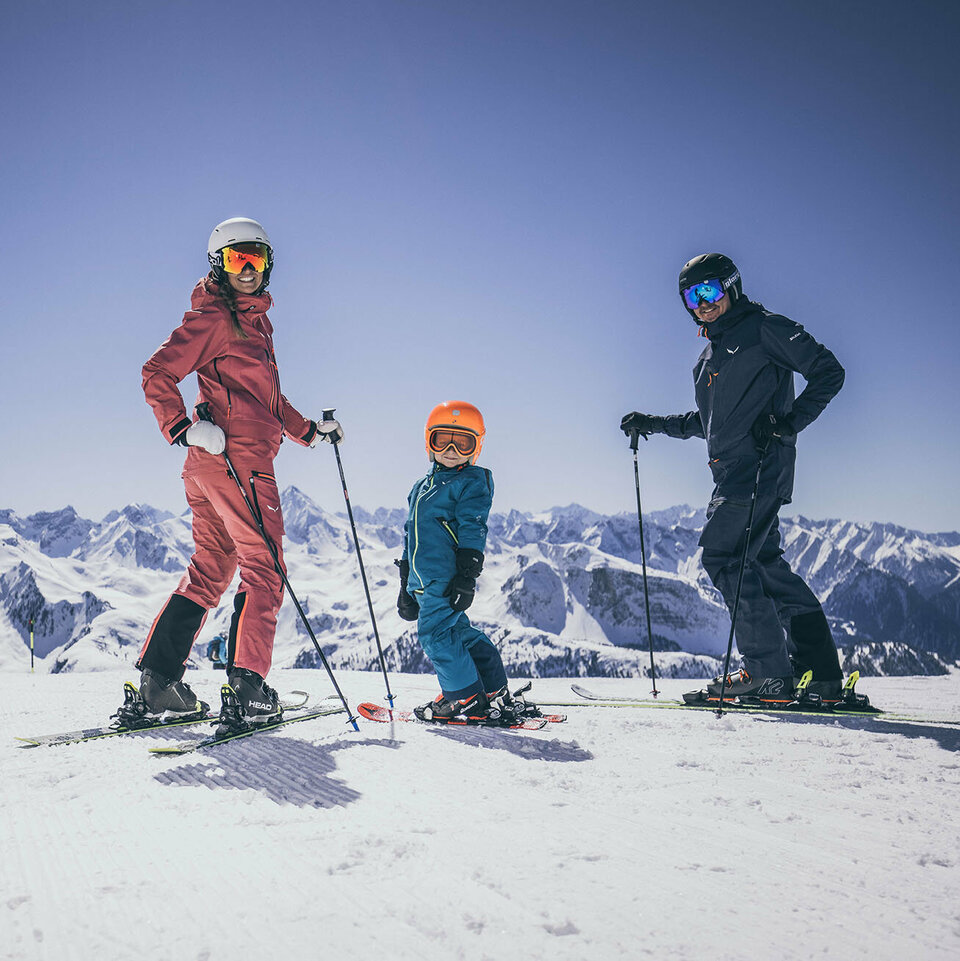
(407, 606)
(463, 585)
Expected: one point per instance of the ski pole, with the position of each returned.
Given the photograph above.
(634, 444)
(743, 564)
(203, 412)
(31, 645)
(328, 415)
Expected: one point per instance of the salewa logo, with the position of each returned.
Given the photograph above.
(735, 349)
(796, 335)
(269, 508)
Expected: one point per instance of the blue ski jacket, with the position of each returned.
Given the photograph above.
(448, 510)
(746, 370)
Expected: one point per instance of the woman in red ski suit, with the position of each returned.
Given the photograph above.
(227, 339)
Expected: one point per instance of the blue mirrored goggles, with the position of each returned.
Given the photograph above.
(706, 292)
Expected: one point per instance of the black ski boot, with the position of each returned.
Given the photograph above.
(808, 697)
(247, 701)
(774, 691)
(441, 709)
(829, 692)
(161, 697)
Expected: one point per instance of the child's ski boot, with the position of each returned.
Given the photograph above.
(442, 709)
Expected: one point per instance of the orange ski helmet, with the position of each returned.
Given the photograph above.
(456, 415)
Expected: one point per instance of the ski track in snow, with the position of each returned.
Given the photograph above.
(624, 833)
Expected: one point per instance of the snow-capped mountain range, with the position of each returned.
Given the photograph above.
(561, 592)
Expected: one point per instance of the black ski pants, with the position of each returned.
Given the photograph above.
(778, 613)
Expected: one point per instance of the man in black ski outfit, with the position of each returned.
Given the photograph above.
(745, 403)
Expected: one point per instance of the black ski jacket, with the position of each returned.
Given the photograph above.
(747, 369)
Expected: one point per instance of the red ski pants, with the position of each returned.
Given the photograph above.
(226, 536)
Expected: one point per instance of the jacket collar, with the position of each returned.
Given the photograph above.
(207, 294)
(714, 331)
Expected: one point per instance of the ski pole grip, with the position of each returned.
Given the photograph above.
(635, 439)
(327, 413)
(203, 411)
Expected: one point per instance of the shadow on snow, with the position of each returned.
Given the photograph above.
(947, 738)
(285, 770)
(531, 748)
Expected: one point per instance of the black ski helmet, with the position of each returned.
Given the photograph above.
(711, 267)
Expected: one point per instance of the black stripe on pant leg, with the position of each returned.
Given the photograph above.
(238, 604)
(173, 636)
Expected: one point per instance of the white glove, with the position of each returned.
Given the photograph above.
(328, 431)
(206, 435)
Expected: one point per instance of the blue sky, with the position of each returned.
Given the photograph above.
(486, 201)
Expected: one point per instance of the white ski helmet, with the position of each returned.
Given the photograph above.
(237, 230)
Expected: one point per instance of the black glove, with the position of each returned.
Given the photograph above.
(637, 423)
(461, 591)
(768, 426)
(463, 585)
(407, 606)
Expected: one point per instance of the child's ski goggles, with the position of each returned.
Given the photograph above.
(237, 257)
(463, 441)
(708, 291)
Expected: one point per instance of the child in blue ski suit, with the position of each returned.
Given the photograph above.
(444, 540)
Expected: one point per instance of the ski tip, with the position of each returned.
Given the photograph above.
(373, 712)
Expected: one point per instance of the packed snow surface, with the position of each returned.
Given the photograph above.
(623, 833)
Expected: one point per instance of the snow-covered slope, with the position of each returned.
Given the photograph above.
(562, 591)
(622, 834)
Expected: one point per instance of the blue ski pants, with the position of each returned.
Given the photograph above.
(465, 659)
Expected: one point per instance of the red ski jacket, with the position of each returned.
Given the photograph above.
(237, 376)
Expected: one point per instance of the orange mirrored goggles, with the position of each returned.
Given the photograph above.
(463, 441)
(237, 257)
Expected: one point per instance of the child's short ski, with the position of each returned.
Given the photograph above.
(214, 740)
(294, 701)
(376, 712)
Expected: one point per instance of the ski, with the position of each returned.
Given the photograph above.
(802, 705)
(296, 701)
(376, 712)
(215, 740)
(590, 698)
